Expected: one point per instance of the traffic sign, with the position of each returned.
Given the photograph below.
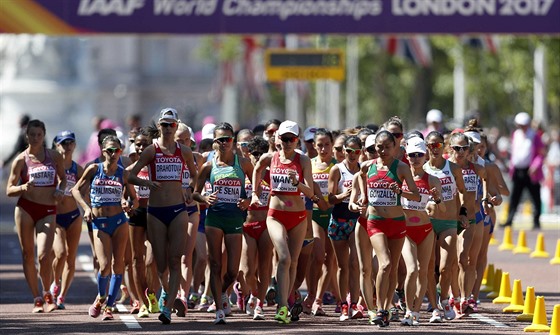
(304, 64)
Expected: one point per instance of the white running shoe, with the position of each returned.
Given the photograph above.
(259, 314)
(407, 320)
(251, 305)
(226, 305)
(220, 318)
(436, 316)
(448, 311)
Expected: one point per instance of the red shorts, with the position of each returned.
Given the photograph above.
(254, 229)
(286, 218)
(393, 228)
(363, 222)
(419, 233)
(35, 210)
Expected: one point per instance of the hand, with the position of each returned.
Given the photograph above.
(154, 185)
(189, 195)
(58, 194)
(435, 193)
(431, 208)
(29, 186)
(211, 198)
(255, 200)
(243, 204)
(347, 193)
(395, 188)
(496, 200)
(293, 176)
(88, 215)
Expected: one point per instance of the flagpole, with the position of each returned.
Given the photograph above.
(539, 85)
(352, 82)
(459, 95)
(292, 95)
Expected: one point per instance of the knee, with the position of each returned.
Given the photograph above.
(284, 261)
(385, 267)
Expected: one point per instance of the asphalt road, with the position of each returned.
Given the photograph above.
(16, 303)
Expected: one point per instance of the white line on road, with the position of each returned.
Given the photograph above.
(488, 320)
(130, 322)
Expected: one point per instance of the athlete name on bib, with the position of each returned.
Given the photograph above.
(263, 198)
(106, 190)
(416, 205)
(70, 183)
(168, 168)
(470, 178)
(280, 180)
(447, 188)
(143, 192)
(42, 175)
(347, 184)
(186, 177)
(380, 194)
(229, 189)
(322, 179)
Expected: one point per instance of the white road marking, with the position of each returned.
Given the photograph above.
(488, 320)
(130, 322)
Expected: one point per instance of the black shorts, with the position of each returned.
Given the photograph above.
(139, 217)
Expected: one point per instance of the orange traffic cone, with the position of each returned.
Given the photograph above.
(507, 243)
(489, 274)
(556, 259)
(555, 326)
(540, 252)
(540, 324)
(496, 286)
(505, 291)
(529, 307)
(521, 247)
(517, 303)
(493, 240)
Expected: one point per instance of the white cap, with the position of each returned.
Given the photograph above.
(370, 140)
(309, 133)
(415, 144)
(288, 127)
(168, 114)
(523, 119)
(434, 115)
(192, 134)
(208, 131)
(474, 135)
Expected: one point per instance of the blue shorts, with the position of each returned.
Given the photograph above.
(341, 229)
(109, 224)
(192, 209)
(308, 204)
(201, 222)
(66, 219)
(168, 213)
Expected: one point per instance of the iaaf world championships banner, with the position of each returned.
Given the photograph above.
(280, 16)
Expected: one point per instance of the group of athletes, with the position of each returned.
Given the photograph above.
(379, 218)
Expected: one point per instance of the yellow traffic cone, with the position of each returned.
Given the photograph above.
(505, 291)
(540, 323)
(517, 303)
(493, 240)
(489, 273)
(555, 326)
(496, 286)
(521, 247)
(556, 259)
(507, 243)
(540, 251)
(529, 307)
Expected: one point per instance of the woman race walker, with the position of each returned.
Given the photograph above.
(386, 225)
(419, 244)
(286, 215)
(167, 212)
(68, 220)
(37, 177)
(226, 172)
(107, 182)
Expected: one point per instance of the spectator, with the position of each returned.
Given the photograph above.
(21, 142)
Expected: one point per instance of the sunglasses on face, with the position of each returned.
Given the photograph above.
(436, 145)
(397, 135)
(67, 142)
(287, 139)
(458, 148)
(112, 151)
(168, 124)
(225, 139)
(243, 144)
(355, 151)
(416, 155)
(338, 149)
(371, 149)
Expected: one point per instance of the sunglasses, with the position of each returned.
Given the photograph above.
(287, 139)
(112, 150)
(67, 142)
(256, 154)
(338, 149)
(168, 124)
(416, 155)
(243, 144)
(397, 135)
(355, 151)
(436, 145)
(458, 148)
(225, 139)
(371, 149)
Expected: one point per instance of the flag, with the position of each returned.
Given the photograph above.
(488, 43)
(416, 49)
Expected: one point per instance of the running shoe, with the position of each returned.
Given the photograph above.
(295, 311)
(415, 318)
(239, 296)
(407, 320)
(251, 305)
(344, 312)
(473, 304)
(401, 302)
(38, 305)
(429, 307)
(194, 300)
(55, 289)
(165, 316)
(466, 308)
(447, 309)
(95, 308)
(152, 302)
(50, 302)
(371, 316)
(107, 314)
(60, 302)
(226, 306)
(381, 318)
(436, 316)
(328, 298)
(394, 314)
(317, 309)
(307, 304)
(271, 296)
(356, 312)
(204, 303)
(212, 308)
(259, 314)
(297, 295)
(135, 307)
(338, 308)
(162, 300)
(220, 318)
(143, 312)
(124, 294)
(180, 307)
(282, 316)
